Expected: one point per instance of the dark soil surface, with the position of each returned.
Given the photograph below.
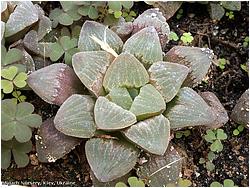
(225, 38)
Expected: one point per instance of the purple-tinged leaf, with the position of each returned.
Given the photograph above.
(161, 171)
(167, 78)
(217, 108)
(168, 8)
(152, 134)
(240, 113)
(197, 59)
(75, 117)
(51, 144)
(189, 109)
(110, 159)
(55, 83)
(24, 15)
(91, 28)
(123, 29)
(91, 67)
(110, 116)
(153, 17)
(145, 45)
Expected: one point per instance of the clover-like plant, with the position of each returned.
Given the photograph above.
(136, 95)
(17, 120)
(11, 79)
(214, 137)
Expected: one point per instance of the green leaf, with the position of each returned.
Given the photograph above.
(215, 184)
(75, 117)
(7, 86)
(231, 5)
(5, 155)
(221, 135)
(20, 80)
(184, 183)
(167, 78)
(25, 14)
(125, 71)
(65, 19)
(216, 146)
(135, 182)
(160, 171)
(178, 134)
(56, 51)
(152, 134)
(228, 183)
(120, 184)
(210, 166)
(118, 14)
(236, 132)
(115, 5)
(19, 151)
(67, 5)
(83, 10)
(145, 45)
(211, 156)
(9, 73)
(110, 116)
(202, 160)
(121, 97)
(173, 36)
(91, 28)
(110, 159)
(90, 67)
(210, 136)
(189, 109)
(67, 43)
(240, 128)
(148, 103)
(12, 56)
(69, 54)
(93, 13)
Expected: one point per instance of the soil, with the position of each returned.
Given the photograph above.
(225, 38)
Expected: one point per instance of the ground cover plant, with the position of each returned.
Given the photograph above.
(121, 87)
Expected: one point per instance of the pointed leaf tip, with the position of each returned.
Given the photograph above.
(189, 109)
(145, 45)
(109, 116)
(110, 159)
(152, 134)
(91, 67)
(75, 117)
(167, 78)
(55, 83)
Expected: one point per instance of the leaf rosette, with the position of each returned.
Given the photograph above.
(137, 94)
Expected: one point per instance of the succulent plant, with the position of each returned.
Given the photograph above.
(135, 96)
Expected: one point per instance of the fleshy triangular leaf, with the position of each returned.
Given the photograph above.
(98, 30)
(161, 171)
(145, 45)
(148, 103)
(189, 109)
(109, 116)
(110, 159)
(75, 117)
(90, 67)
(153, 17)
(51, 144)
(125, 71)
(121, 97)
(167, 78)
(55, 83)
(152, 134)
(24, 15)
(197, 59)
